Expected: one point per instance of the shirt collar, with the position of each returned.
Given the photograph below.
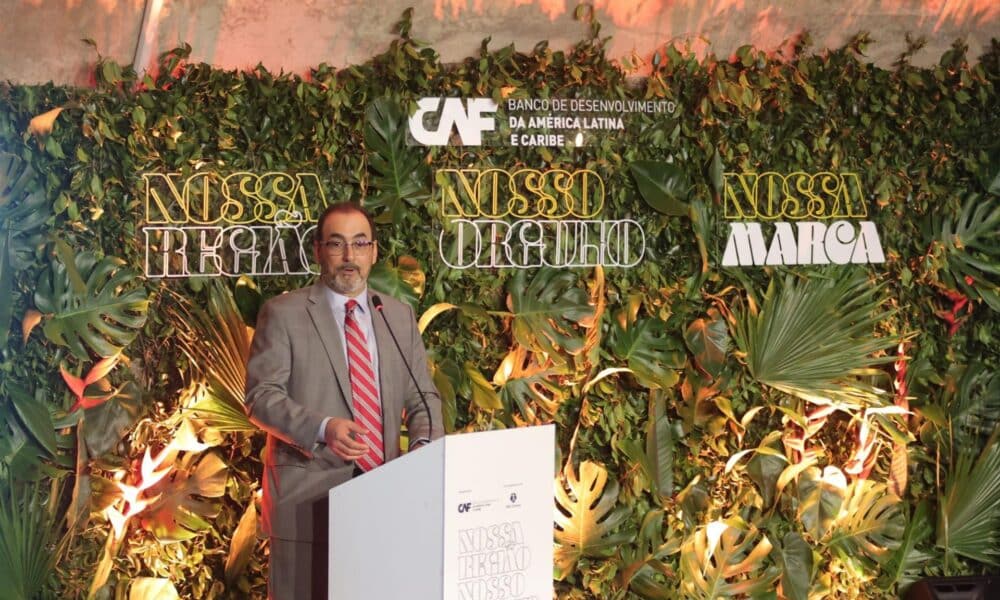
(339, 301)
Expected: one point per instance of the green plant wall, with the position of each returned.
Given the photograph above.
(800, 431)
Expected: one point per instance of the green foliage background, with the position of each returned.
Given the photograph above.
(653, 388)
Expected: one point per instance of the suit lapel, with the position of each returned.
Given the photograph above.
(329, 333)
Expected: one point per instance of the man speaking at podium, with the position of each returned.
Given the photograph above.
(329, 379)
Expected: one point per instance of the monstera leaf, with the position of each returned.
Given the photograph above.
(821, 496)
(971, 244)
(871, 523)
(651, 353)
(725, 559)
(89, 304)
(546, 311)
(645, 571)
(586, 518)
(23, 212)
(401, 176)
(181, 510)
(525, 383)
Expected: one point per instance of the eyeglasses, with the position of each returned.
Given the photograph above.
(337, 247)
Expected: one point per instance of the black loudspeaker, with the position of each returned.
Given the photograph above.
(983, 587)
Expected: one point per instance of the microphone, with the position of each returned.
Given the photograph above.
(377, 303)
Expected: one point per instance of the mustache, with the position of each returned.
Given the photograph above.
(347, 266)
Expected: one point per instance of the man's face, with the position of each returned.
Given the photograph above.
(343, 267)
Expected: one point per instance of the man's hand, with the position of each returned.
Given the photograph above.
(343, 437)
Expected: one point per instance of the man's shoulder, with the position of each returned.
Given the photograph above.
(294, 299)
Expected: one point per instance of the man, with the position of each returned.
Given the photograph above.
(328, 385)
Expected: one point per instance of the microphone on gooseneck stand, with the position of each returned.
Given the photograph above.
(377, 303)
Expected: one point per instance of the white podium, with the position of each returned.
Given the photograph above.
(467, 517)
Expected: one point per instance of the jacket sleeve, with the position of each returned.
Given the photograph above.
(268, 403)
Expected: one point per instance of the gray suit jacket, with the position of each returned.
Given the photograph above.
(297, 375)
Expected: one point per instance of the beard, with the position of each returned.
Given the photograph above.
(346, 280)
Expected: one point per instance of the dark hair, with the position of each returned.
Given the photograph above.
(342, 208)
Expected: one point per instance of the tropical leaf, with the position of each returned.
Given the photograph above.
(725, 559)
(242, 545)
(152, 588)
(795, 557)
(393, 281)
(181, 510)
(764, 470)
(586, 517)
(546, 311)
(969, 514)
(29, 543)
(525, 384)
(907, 562)
(644, 570)
(401, 176)
(23, 212)
(971, 245)
(814, 337)
(660, 447)
(708, 341)
(821, 496)
(217, 343)
(482, 392)
(664, 186)
(975, 409)
(104, 316)
(870, 525)
(650, 351)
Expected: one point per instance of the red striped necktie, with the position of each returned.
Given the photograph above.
(367, 408)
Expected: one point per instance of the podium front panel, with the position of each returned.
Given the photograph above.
(499, 515)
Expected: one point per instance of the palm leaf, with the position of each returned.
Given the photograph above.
(23, 212)
(975, 410)
(401, 176)
(725, 559)
(28, 534)
(547, 310)
(971, 244)
(104, 316)
(217, 342)
(586, 518)
(969, 515)
(812, 338)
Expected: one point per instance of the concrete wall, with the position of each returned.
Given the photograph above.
(39, 39)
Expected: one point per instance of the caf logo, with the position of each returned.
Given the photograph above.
(470, 119)
(464, 507)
